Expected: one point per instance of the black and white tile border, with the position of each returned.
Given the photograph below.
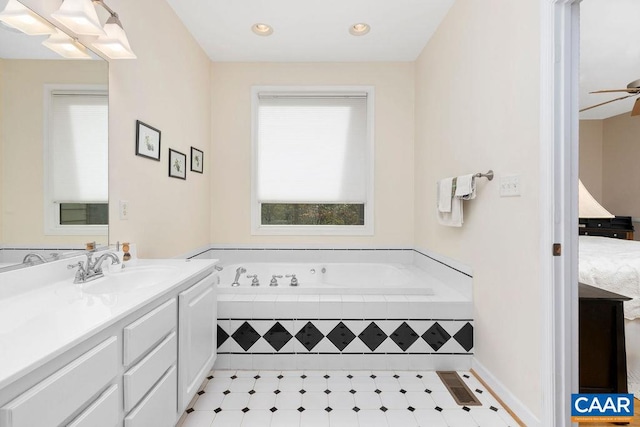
(345, 336)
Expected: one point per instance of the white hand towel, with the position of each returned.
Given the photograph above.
(445, 190)
(466, 187)
(453, 218)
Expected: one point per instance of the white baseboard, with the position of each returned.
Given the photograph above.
(511, 401)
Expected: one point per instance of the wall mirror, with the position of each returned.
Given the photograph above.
(53, 149)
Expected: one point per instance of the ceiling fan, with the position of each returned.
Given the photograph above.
(633, 89)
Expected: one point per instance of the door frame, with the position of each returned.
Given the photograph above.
(559, 83)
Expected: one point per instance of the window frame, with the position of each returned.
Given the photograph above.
(52, 226)
(257, 228)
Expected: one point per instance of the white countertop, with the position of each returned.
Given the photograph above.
(43, 313)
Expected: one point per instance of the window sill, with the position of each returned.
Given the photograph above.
(312, 230)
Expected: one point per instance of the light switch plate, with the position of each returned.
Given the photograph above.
(510, 186)
(124, 210)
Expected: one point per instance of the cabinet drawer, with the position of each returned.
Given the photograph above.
(60, 395)
(158, 408)
(142, 334)
(102, 413)
(139, 379)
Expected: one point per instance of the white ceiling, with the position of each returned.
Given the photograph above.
(609, 54)
(312, 30)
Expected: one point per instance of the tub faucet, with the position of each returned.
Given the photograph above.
(254, 279)
(239, 271)
(294, 280)
(29, 258)
(274, 280)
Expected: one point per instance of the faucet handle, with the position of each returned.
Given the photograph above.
(274, 279)
(72, 266)
(294, 280)
(80, 274)
(255, 281)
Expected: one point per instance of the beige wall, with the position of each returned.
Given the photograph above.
(477, 108)
(620, 172)
(168, 88)
(21, 135)
(231, 150)
(591, 134)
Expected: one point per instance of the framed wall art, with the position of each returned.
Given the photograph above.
(197, 160)
(147, 141)
(177, 164)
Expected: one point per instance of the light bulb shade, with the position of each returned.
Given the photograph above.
(18, 16)
(79, 16)
(65, 46)
(114, 44)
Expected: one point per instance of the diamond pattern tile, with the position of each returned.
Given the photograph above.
(436, 336)
(309, 336)
(222, 336)
(277, 336)
(246, 336)
(464, 336)
(372, 336)
(341, 336)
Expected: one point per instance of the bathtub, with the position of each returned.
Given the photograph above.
(328, 278)
(358, 315)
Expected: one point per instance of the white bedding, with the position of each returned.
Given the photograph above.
(612, 265)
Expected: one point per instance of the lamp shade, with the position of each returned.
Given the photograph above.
(79, 16)
(114, 43)
(65, 46)
(18, 16)
(588, 206)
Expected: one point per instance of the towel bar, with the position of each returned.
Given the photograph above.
(488, 175)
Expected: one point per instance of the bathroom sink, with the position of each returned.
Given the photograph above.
(130, 279)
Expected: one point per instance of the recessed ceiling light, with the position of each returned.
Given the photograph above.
(262, 29)
(359, 29)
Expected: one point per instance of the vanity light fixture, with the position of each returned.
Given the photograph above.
(79, 16)
(359, 29)
(17, 15)
(262, 29)
(114, 44)
(65, 46)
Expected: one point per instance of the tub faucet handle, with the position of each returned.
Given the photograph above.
(254, 281)
(274, 279)
(294, 280)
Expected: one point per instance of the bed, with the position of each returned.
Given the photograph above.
(614, 265)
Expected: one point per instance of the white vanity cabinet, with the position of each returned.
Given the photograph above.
(196, 337)
(150, 384)
(57, 397)
(139, 369)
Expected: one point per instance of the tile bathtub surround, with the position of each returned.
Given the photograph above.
(339, 398)
(345, 336)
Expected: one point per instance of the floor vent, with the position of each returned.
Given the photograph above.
(458, 389)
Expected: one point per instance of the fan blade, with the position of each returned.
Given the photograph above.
(636, 108)
(608, 102)
(628, 90)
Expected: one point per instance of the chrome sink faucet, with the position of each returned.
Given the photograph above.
(92, 269)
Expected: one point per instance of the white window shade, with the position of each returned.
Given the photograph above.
(312, 149)
(79, 149)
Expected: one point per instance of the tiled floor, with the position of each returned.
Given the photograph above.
(339, 398)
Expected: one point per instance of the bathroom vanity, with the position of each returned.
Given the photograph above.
(129, 349)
